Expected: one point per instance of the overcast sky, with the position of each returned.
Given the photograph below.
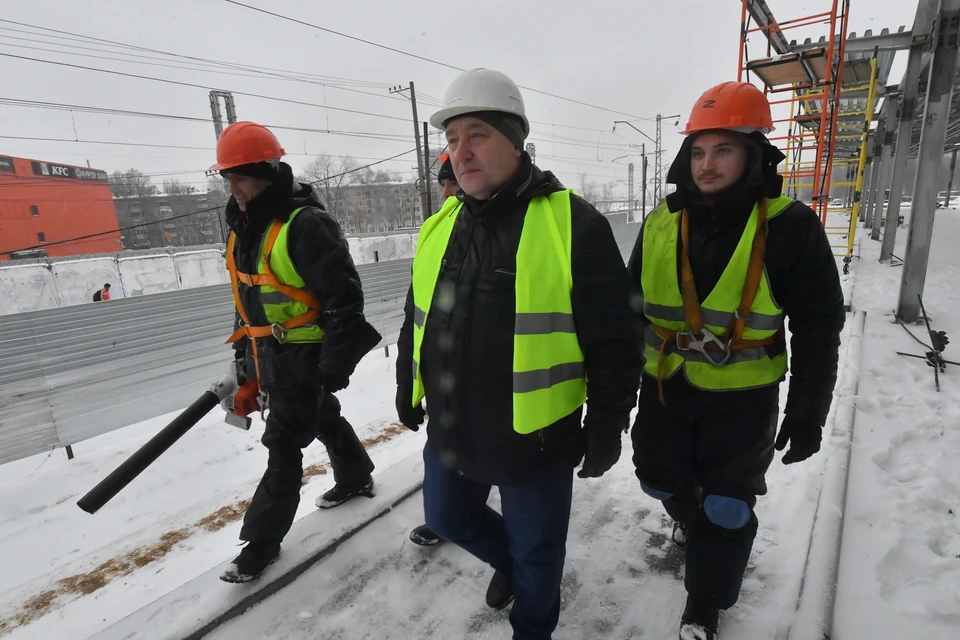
(635, 57)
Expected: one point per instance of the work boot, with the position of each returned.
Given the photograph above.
(341, 493)
(500, 591)
(424, 537)
(679, 535)
(252, 562)
(699, 621)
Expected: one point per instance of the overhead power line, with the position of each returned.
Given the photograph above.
(217, 65)
(560, 140)
(200, 86)
(372, 135)
(419, 57)
(207, 69)
(78, 37)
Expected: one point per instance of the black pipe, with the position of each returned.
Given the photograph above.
(147, 454)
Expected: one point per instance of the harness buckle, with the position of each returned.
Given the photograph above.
(278, 331)
(699, 344)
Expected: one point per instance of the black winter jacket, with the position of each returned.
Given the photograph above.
(467, 353)
(799, 262)
(320, 253)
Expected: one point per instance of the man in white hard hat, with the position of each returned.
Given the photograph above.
(517, 314)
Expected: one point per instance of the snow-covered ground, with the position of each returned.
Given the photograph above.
(73, 574)
(181, 519)
(900, 561)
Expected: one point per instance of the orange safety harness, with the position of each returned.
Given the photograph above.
(699, 338)
(277, 330)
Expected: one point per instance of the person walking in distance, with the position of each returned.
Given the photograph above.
(517, 314)
(422, 535)
(300, 332)
(718, 266)
(102, 295)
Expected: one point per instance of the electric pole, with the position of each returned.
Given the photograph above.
(658, 159)
(416, 135)
(630, 193)
(428, 185)
(532, 152)
(231, 108)
(643, 181)
(228, 104)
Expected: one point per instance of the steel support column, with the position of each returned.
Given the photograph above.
(888, 145)
(870, 178)
(953, 170)
(926, 11)
(930, 159)
(876, 180)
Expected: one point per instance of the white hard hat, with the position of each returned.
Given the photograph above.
(481, 90)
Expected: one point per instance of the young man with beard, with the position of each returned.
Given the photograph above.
(718, 266)
(300, 332)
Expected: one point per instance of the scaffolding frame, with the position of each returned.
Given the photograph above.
(814, 78)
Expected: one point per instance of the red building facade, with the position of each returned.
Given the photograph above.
(46, 208)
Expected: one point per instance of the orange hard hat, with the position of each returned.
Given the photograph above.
(739, 106)
(443, 157)
(246, 143)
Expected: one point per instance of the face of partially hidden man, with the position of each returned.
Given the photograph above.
(484, 161)
(717, 160)
(450, 188)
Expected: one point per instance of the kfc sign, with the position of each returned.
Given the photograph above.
(63, 171)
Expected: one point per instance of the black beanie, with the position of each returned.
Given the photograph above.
(509, 125)
(262, 170)
(446, 172)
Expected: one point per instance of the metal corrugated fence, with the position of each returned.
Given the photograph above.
(72, 373)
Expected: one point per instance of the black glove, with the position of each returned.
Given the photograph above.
(804, 439)
(333, 382)
(411, 417)
(603, 443)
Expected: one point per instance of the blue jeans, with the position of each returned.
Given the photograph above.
(527, 542)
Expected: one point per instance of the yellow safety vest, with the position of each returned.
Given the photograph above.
(288, 307)
(549, 382)
(742, 368)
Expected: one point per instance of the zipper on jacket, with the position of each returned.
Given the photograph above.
(543, 440)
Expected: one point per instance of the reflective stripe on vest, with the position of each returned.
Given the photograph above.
(663, 306)
(278, 307)
(549, 382)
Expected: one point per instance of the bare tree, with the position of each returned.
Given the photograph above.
(369, 176)
(606, 196)
(329, 174)
(588, 189)
(174, 187)
(131, 183)
(216, 185)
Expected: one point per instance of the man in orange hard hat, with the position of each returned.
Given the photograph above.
(718, 266)
(300, 332)
(446, 177)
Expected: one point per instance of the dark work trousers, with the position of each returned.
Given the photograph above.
(293, 421)
(528, 542)
(707, 443)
